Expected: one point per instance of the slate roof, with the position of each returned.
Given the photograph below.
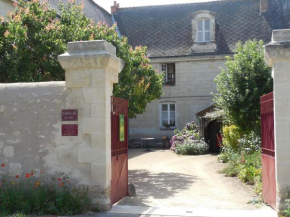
(166, 30)
(91, 9)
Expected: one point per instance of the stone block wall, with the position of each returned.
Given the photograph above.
(31, 122)
(278, 57)
(192, 93)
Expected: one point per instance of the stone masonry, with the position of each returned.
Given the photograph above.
(278, 56)
(31, 137)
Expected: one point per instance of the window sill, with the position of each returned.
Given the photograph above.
(203, 42)
(168, 128)
(169, 86)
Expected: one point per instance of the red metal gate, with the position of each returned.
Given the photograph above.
(119, 149)
(268, 150)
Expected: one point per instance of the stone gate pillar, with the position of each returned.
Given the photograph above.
(92, 67)
(278, 56)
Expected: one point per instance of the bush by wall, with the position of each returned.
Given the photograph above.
(188, 142)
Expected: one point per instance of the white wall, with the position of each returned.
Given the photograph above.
(5, 6)
(278, 56)
(192, 93)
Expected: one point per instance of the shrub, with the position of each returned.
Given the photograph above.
(223, 158)
(231, 135)
(188, 142)
(31, 195)
(194, 147)
(286, 212)
(243, 155)
(240, 85)
(249, 143)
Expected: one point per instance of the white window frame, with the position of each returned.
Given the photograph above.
(203, 31)
(164, 71)
(168, 113)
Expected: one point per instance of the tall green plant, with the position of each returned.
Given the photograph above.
(33, 36)
(240, 85)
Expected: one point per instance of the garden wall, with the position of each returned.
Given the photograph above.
(50, 128)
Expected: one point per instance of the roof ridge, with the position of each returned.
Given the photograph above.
(101, 7)
(181, 4)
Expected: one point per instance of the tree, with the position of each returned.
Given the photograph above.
(33, 36)
(240, 85)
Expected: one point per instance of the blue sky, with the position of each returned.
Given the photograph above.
(106, 4)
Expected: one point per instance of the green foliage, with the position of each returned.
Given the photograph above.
(192, 148)
(15, 215)
(243, 156)
(223, 157)
(216, 114)
(188, 142)
(33, 196)
(240, 85)
(33, 37)
(286, 212)
(231, 135)
(250, 167)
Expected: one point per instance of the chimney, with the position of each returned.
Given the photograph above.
(115, 7)
(263, 6)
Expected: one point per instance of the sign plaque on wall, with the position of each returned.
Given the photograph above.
(122, 128)
(69, 115)
(69, 130)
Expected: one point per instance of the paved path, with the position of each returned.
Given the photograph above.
(164, 179)
(172, 185)
(137, 211)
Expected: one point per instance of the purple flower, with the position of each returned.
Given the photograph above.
(192, 122)
(192, 138)
(174, 137)
(171, 142)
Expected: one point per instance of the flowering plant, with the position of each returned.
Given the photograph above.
(187, 141)
(31, 194)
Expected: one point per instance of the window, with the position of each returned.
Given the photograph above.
(167, 112)
(203, 30)
(169, 74)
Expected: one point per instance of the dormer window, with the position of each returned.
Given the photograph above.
(203, 30)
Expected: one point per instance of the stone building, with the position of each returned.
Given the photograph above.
(189, 43)
(91, 9)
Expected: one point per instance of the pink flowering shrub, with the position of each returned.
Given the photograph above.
(188, 142)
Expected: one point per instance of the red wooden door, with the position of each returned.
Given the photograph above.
(268, 150)
(119, 149)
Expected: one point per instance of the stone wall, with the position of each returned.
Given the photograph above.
(5, 6)
(31, 137)
(278, 56)
(192, 93)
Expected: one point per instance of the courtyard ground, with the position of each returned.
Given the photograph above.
(164, 179)
(172, 185)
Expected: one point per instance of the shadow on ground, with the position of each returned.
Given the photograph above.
(158, 186)
(136, 152)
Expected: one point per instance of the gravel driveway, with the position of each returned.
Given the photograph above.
(164, 179)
